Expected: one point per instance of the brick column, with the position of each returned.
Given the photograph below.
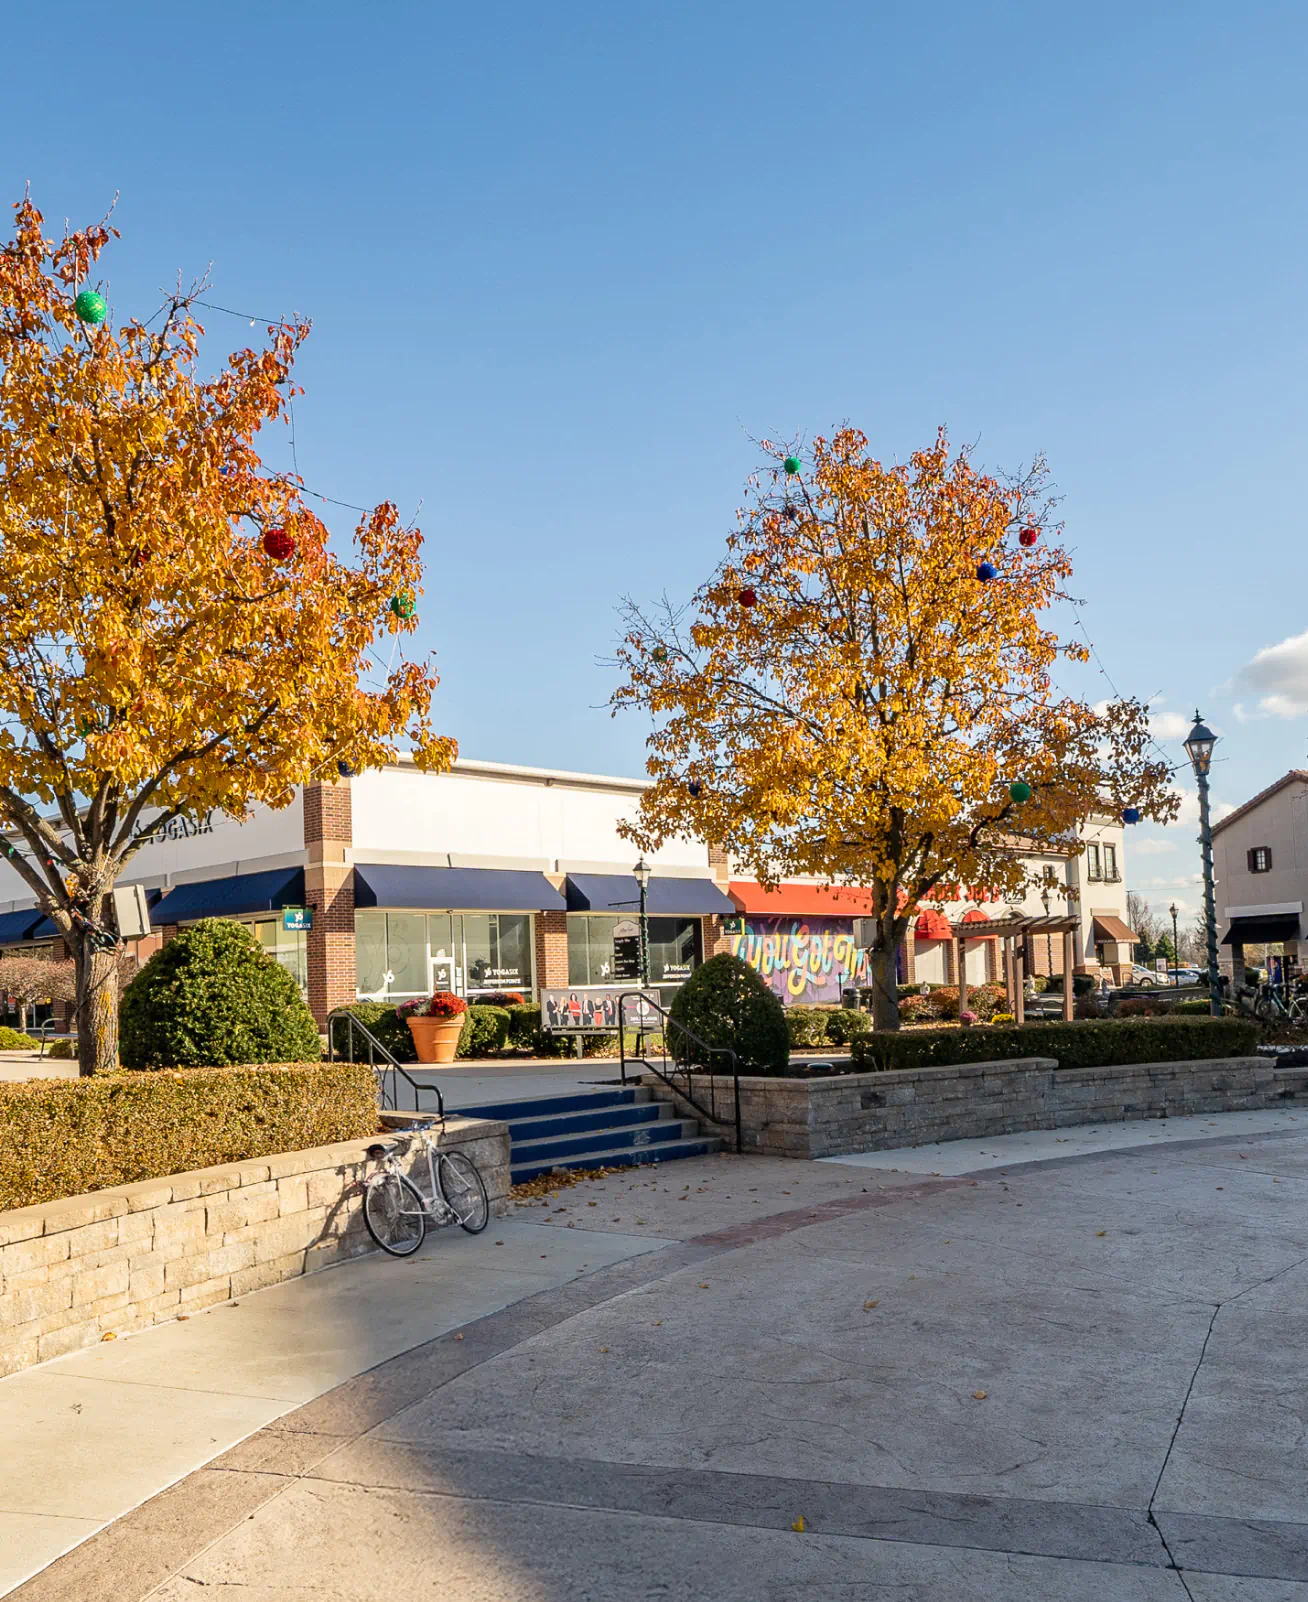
(329, 890)
(551, 949)
(910, 956)
(715, 938)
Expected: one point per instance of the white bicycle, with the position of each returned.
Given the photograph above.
(397, 1212)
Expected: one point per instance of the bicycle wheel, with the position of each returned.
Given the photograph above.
(395, 1213)
(464, 1191)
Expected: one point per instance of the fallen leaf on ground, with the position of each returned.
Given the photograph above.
(109, 1335)
(799, 1524)
(979, 1396)
(1099, 1233)
(868, 1306)
(458, 1337)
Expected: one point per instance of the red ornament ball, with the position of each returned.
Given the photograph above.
(279, 544)
(1028, 536)
(748, 598)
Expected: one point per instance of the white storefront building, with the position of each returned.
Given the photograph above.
(495, 879)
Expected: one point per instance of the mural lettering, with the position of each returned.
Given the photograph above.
(803, 959)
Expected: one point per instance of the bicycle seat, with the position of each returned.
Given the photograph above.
(376, 1153)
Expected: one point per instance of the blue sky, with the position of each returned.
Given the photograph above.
(563, 261)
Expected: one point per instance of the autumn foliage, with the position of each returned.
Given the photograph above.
(180, 633)
(846, 697)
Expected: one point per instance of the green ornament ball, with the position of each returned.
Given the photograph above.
(792, 465)
(1020, 791)
(90, 307)
(402, 605)
(659, 653)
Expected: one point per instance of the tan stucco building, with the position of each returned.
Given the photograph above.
(1260, 862)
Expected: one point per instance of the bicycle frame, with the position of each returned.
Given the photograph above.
(434, 1204)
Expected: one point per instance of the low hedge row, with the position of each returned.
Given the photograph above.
(825, 1026)
(63, 1137)
(1104, 1044)
(487, 1031)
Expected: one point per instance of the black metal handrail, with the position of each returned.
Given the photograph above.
(680, 1064)
(387, 1067)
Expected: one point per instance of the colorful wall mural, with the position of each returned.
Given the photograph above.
(805, 960)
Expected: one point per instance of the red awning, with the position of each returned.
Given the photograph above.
(975, 915)
(800, 900)
(932, 925)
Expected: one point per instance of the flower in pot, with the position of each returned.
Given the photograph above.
(436, 1026)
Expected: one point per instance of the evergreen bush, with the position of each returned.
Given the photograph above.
(485, 1032)
(727, 1004)
(13, 1040)
(846, 1024)
(1103, 1044)
(212, 998)
(383, 1023)
(806, 1026)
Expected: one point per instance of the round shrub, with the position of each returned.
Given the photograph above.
(212, 999)
(383, 1023)
(806, 1026)
(726, 1003)
(485, 1032)
(847, 1025)
(12, 1040)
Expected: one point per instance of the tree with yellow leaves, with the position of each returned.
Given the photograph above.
(178, 637)
(863, 689)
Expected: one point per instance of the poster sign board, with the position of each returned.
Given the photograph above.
(297, 917)
(626, 950)
(595, 1008)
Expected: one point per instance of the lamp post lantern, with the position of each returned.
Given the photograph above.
(1176, 950)
(1199, 748)
(641, 874)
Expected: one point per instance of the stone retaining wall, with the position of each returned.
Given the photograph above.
(916, 1106)
(76, 1270)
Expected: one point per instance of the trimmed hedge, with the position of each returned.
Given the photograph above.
(725, 1002)
(14, 1040)
(63, 1137)
(485, 1032)
(1102, 1044)
(211, 998)
(825, 1026)
(381, 1021)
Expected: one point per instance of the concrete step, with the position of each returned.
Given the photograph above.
(643, 1112)
(624, 1157)
(658, 1133)
(551, 1106)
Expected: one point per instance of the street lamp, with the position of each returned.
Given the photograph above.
(1199, 748)
(1176, 949)
(1049, 939)
(641, 873)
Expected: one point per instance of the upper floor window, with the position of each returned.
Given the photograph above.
(1093, 869)
(1110, 863)
(1260, 859)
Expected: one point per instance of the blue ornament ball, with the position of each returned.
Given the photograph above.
(695, 789)
(987, 571)
(1130, 814)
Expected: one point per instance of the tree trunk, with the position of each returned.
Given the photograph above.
(97, 1006)
(885, 981)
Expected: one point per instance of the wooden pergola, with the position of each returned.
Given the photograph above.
(1012, 933)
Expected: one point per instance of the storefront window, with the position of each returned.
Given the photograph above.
(675, 948)
(498, 948)
(469, 953)
(286, 946)
(406, 953)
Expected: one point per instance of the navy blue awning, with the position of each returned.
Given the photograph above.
(19, 925)
(454, 889)
(667, 898)
(232, 897)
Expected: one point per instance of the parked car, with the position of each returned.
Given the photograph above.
(1145, 977)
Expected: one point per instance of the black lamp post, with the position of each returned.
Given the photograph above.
(1199, 748)
(641, 873)
(1049, 939)
(1176, 950)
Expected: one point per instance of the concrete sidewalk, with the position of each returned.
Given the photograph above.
(1067, 1381)
(90, 1435)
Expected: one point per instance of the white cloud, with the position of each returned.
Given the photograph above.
(1169, 725)
(1151, 848)
(1279, 673)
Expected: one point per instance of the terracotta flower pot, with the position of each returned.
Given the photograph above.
(435, 1039)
